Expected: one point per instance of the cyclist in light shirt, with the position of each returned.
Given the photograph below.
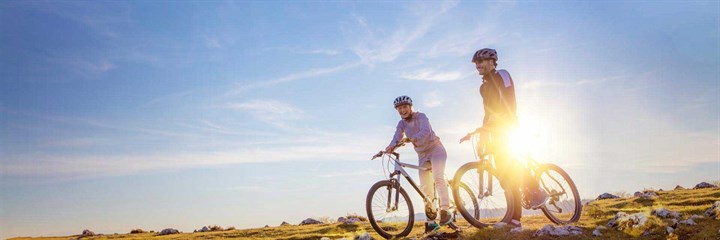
(431, 153)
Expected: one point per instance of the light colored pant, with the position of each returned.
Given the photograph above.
(435, 158)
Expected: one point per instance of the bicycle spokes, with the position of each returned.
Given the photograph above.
(564, 203)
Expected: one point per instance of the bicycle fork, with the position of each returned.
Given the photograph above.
(481, 187)
(395, 185)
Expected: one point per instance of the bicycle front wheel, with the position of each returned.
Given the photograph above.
(389, 209)
(486, 202)
(564, 205)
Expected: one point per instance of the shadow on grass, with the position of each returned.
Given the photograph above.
(645, 202)
(348, 227)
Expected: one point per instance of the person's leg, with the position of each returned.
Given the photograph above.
(507, 169)
(426, 183)
(438, 159)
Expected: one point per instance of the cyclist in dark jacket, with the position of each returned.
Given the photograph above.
(498, 94)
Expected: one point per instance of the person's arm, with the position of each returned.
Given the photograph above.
(509, 92)
(399, 131)
(423, 133)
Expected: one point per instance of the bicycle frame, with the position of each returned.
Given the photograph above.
(400, 171)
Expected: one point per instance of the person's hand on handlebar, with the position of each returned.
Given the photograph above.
(389, 149)
(402, 142)
(483, 135)
(467, 137)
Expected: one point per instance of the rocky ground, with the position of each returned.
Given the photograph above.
(648, 214)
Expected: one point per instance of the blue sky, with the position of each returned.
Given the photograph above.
(137, 114)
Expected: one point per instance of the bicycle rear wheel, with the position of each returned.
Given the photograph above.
(490, 202)
(564, 205)
(389, 209)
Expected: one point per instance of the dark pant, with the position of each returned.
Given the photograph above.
(513, 174)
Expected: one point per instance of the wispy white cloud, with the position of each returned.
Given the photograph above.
(75, 142)
(373, 50)
(269, 110)
(91, 165)
(329, 52)
(265, 189)
(432, 99)
(86, 66)
(466, 40)
(272, 112)
(546, 83)
(100, 17)
(207, 126)
(359, 173)
(213, 43)
(292, 77)
(433, 75)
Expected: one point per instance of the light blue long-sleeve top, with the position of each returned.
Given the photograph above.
(418, 128)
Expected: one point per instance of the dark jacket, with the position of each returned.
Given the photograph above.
(498, 94)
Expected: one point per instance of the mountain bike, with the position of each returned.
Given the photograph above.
(389, 208)
(496, 203)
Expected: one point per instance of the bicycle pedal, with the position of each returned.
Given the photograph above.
(455, 227)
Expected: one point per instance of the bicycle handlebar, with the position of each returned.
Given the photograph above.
(397, 145)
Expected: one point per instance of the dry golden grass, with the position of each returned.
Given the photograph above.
(687, 202)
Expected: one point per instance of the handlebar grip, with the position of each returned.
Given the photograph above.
(379, 154)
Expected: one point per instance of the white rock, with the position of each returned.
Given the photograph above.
(670, 230)
(688, 221)
(674, 223)
(664, 213)
(695, 216)
(623, 220)
(558, 231)
(364, 236)
(714, 211)
(499, 225)
(516, 230)
(574, 230)
(596, 232)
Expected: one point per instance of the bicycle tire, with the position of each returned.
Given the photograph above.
(464, 188)
(554, 186)
(490, 207)
(384, 224)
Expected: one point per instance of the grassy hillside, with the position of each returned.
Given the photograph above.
(687, 202)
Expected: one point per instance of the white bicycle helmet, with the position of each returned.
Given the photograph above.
(402, 100)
